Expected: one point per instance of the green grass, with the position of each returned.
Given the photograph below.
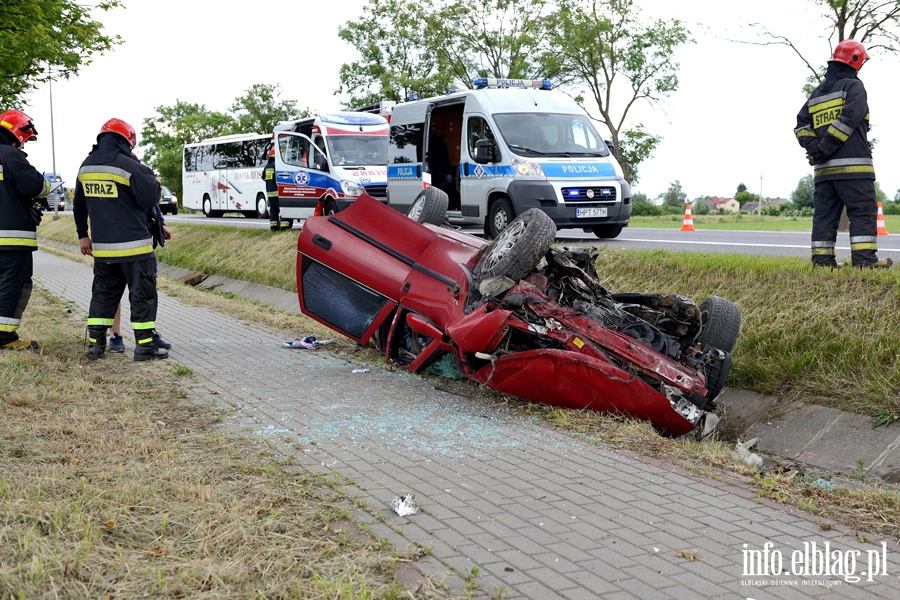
(819, 336)
(743, 222)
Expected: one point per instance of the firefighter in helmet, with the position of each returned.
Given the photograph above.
(832, 127)
(22, 190)
(120, 238)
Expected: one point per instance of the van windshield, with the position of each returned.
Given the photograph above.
(550, 134)
(358, 150)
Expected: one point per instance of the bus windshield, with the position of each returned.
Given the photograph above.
(358, 150)
(550, 134)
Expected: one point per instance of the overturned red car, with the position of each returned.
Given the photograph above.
(516, 314)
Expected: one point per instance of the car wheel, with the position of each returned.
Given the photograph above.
(519, 247)
(607, 232)
(262, 207)
(174, 210)
(430, 206)
(331, 208)
(500, 216)
(720, 323)
(207, 206)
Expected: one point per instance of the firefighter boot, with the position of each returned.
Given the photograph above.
(97, 341)
(144, 349)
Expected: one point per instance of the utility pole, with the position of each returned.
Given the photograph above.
(53, 151)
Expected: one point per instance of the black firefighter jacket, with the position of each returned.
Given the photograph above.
(20, 185)
(836, 117)
(115, 192)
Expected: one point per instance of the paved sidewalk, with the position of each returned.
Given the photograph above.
(533, 512)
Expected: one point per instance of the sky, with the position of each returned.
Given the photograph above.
(730, 122)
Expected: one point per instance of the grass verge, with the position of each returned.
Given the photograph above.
(742, 222)
(114, 486)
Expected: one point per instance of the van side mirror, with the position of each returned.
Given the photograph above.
(486, 151)
(611, 146)
(321, 163)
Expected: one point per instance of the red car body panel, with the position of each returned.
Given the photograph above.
(422, 274)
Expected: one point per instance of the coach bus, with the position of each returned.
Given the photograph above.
(224, 174)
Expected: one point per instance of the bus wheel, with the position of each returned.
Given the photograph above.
(207, 206)
(331, 208)
(262, 207)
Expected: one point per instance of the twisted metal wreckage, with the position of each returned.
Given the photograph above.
(516, 314)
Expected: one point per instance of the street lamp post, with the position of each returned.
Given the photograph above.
(53, 150)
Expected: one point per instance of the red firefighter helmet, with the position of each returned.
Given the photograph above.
(19, 124)
(272, 152)
(850, 52)
(122, 128)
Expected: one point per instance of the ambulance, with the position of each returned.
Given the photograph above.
(328, 161)
(504, 147)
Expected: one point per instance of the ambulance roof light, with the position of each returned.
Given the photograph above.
(492, 82)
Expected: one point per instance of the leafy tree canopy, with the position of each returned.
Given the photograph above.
(44, 40)
(674, 197)
(164, 135)
(425, 47)
(802, 196)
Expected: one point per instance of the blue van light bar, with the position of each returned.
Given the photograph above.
(353, 119)
(492, 82)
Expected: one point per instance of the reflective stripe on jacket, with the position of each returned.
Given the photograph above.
(20, 185)
(836, 116)
(115, 193)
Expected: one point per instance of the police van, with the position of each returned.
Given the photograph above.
(504, 147)
(328, 160)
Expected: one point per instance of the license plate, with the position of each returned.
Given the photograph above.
(582, 213)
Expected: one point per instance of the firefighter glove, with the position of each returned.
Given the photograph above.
(36, 214)
(814, 154)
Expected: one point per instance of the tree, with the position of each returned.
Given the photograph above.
(394, 62)
(874, 23)
(259, 110)
(741, 188)
(638, 197)
(802, 196)
(674, 197)
(163, 136)
(602, 41)
(745, 197)
(44, 40)
(493, 38)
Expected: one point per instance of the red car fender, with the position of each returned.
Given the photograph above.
(573, 380)
(480, 330)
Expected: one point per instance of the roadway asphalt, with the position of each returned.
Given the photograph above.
(521, 510)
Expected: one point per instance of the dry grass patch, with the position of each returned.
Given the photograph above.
(114, 486)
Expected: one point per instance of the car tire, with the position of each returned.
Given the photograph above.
(500, 215)
(607, 232)
(330, 208)
(262, 207)
(430, 206)
(174, 210)
(207, 207)
(519, 247)
(721, 323)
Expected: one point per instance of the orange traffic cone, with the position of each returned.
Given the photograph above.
(688, 224)
(880, 222)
